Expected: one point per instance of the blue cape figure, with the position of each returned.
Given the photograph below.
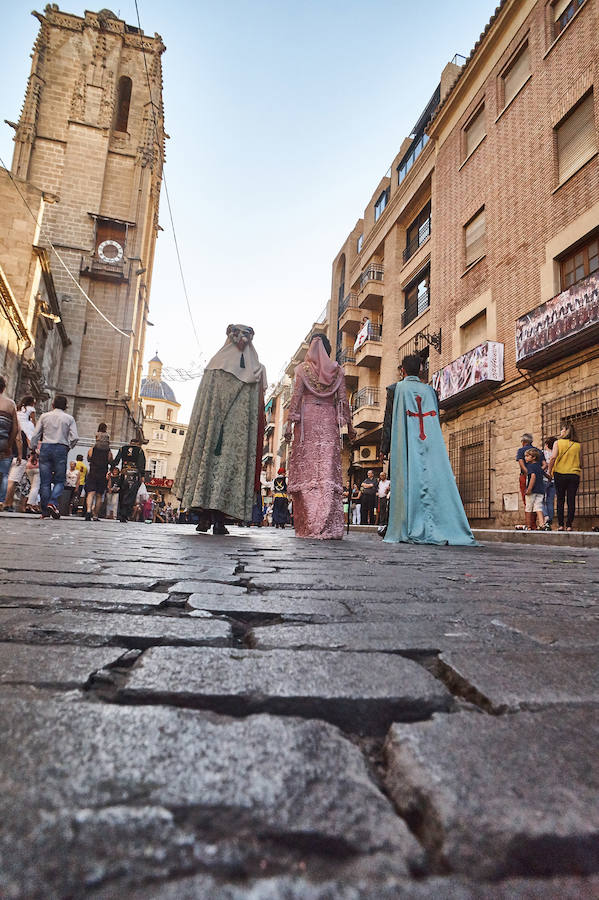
(425, 506)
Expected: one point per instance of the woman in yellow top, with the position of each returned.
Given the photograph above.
(565, 467)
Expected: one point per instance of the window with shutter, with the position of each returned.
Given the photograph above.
(516, 74)
(475, 234)
(576, 138)
(580, 263)
(474, 131)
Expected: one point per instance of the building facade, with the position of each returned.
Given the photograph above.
(164, 434)
(478, 250)
(90, 136)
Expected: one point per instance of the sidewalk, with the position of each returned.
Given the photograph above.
(513, 536)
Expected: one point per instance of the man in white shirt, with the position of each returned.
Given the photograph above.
(383, 498)
(58, 433)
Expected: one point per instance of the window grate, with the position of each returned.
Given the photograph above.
(470, 455)
(580, 409)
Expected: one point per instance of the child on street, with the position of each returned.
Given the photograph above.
(535, 489)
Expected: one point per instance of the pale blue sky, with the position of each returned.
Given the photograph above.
(283, 117)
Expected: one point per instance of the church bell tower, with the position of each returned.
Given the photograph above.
(91, 134)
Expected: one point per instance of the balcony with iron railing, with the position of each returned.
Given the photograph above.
(418, 240)
(366, 408)
(369, 353)
(347, 359)
(415, 309)
(371, 287)
(349, 314)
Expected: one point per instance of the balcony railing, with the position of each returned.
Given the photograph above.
(368, 396)
(350, 301)
(346, 356)
(374, 272)
(375, 333)
(418, 239)
(412, 311)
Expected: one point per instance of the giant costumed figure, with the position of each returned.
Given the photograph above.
(219, 471)
(424, 506)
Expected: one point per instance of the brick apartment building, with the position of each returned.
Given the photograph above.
(479, 250)
(91, 139)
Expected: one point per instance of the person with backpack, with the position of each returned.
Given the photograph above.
(10, 439)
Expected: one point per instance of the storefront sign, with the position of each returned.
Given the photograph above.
(562, 318)
(479, 366)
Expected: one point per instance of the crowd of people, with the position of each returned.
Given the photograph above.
(36, 477)
(547, 476)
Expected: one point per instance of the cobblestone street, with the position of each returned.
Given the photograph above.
(253, 716)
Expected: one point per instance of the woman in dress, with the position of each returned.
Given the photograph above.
(317, 410)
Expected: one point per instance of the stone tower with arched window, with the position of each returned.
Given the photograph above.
(91, 137)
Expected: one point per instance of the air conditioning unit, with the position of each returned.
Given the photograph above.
(365, 455)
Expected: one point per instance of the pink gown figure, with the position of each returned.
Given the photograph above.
(317, 410)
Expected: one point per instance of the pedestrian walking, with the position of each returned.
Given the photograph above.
(565, 466)
(58, 433)
(10, 439)
(30, 502)
(99, 458)
(80, 464)
(317, 410)
(26, 421)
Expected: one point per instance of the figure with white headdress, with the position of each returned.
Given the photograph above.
(219, 471)
(318, 411)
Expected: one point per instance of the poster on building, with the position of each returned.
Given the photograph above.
(363, 335)
(564, 316)
(480, 365)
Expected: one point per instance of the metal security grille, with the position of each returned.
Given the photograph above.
(470, 455)
(580, 409)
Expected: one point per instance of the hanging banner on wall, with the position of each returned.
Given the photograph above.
(481, 365)
(566, 316)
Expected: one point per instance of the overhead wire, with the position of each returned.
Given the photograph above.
(44, 232)
(168, 199)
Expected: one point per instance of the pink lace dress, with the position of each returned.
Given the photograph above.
(315, 463)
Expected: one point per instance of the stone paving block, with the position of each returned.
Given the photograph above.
(174, 571)
(510, 680)
(362, 692)
(99, 628)
(41, 594)
(557, 631)
(406, 635)
(118, 796)
(79, 578)
(65, 666)
(498, 796)
(199, 589)
(254, 604)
